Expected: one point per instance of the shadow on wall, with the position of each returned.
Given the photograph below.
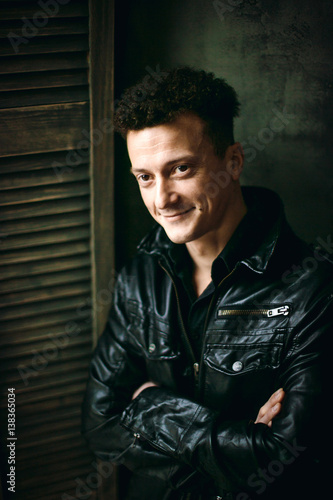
(278, 57)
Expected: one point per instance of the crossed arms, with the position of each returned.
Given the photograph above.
(267, 412)
(155, 431)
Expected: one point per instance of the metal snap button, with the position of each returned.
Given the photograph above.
(152, 348)
(237, 366)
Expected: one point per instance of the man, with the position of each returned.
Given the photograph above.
(215, 315)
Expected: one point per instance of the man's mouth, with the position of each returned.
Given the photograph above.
(177, 215)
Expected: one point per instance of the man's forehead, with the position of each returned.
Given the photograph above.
(151, 138)
(186, 131)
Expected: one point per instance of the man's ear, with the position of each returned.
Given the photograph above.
(235, 160)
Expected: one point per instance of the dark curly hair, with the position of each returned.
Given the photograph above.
(161, 98)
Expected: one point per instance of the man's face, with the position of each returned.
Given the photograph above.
(187, 189)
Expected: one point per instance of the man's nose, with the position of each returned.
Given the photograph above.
(165, 194)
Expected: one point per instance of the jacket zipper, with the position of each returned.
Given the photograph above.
(132, 445)
(137, 436)
(269, 313)
(195, 364)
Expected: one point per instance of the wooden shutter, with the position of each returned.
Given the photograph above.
(53, 267)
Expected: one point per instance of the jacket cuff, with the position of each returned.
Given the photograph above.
(175, 425)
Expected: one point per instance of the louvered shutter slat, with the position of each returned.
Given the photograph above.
(34, 268)
(27, 326)
(55, 278)
(43, 333)
(66, 161)
(74, 8)
(49, 192)
(46, 45)
(43, 62)
(52, 127)
(51, 251)
(43, 96)
(53, 26)
(43, 177)
(23, 351)
(38, 80)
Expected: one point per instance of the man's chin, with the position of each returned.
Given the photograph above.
(179, 237)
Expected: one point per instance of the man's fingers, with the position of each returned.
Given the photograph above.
(276, 397)
(271, 408)
(268, 416)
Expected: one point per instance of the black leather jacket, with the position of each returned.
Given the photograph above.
(269, 325)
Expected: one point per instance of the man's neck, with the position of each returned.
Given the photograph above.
(205, 250)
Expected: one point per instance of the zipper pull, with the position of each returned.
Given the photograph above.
(136, 436)
(196, 371)
(278, 311)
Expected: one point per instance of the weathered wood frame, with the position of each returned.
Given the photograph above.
(101, 85)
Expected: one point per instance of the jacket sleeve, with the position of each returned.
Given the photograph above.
(117, 369)
(231, 452)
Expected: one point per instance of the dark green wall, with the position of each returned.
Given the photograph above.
(278, 55)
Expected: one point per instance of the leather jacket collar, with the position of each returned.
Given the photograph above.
(263, 204)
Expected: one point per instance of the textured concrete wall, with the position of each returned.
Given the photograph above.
(278, 55)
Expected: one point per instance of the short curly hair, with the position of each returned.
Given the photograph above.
(161, 98)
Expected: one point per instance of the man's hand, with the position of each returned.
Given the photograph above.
(271, 408)
(142, 387)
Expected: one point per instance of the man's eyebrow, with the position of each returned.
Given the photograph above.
(137, 170)
(183, 159)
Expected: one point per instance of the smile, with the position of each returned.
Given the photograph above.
(178, 216)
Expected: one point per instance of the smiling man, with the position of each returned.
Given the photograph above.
(174, 164)
(205, 327)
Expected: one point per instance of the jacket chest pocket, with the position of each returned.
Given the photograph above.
(159, 349)
(238, 359)
(245, 339)
(151, 333)
(240, 372)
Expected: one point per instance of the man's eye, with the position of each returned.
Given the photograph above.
(143, 177)
(182, 168)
